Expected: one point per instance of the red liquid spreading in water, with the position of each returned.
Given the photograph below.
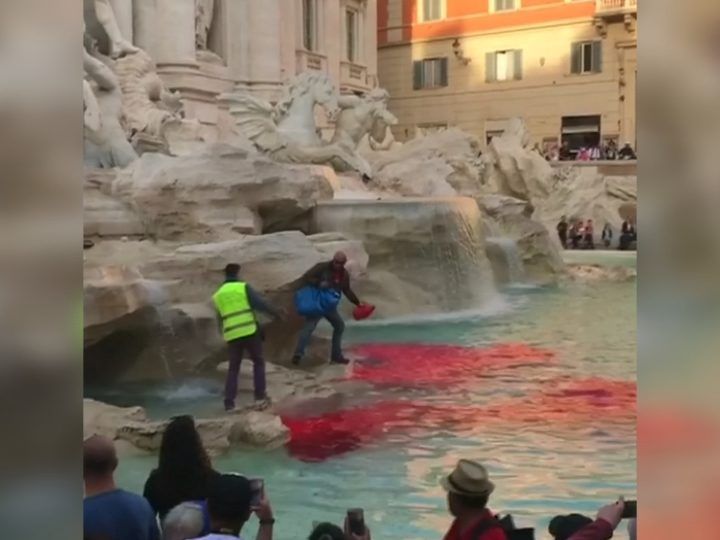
(557, 404)
(436, 365)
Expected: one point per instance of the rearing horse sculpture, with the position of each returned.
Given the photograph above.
(287, 131)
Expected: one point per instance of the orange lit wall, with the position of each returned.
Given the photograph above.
(382, 21)
(473, 16)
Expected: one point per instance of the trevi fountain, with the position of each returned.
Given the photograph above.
(487, 342)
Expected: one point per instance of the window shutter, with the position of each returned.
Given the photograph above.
(490, 67)
(517, 61)
(443, 72)
(597, 56)
(576, 58)
(417, 74)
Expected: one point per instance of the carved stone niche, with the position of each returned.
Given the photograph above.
(600, 26)
(630, 22)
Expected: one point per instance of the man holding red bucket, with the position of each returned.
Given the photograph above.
(319, 297)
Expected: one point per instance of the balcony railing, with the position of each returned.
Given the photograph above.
(353, 75)
(306, 60)
(612, 7)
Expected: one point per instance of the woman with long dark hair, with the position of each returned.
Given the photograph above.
(184, 469)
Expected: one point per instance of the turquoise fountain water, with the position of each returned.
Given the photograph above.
(542, 466)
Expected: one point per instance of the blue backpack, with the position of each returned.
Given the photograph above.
(314, 302)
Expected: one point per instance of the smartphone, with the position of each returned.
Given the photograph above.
(257, 488)
(630, 510)
(356, 521)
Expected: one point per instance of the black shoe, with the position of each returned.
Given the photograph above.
(295, 360)
(342, 360)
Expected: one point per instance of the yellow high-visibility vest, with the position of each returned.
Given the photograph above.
(238, 319)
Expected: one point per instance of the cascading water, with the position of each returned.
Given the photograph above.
(159, 299)
(434, 244)
(511, 255)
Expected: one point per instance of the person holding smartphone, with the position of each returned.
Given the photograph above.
(230, 505)
(608, 518)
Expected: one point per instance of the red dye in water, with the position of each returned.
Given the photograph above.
(592, 401)
(335, 433)
(564, 404)
(436, 365)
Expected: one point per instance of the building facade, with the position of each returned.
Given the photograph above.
(568, 68)
(204, 48)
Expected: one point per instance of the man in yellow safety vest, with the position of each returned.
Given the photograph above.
(236, 303)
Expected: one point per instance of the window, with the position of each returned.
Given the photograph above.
(581, 131)
(504, 5)
(430, 73)
(432, 10)
(309, 25)
(351, 34)
(503, 65)
(586, 57)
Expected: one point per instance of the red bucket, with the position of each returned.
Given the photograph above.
(363, 311)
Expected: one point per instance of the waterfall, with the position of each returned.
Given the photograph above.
(511, 257)
(158, 298)
(434, 245)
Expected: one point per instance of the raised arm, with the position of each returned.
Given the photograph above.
(258, 303)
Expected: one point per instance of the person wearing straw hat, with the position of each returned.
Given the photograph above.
(469, 488)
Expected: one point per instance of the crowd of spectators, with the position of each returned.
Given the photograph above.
(185, 498)
(607, 152)
(580, 234)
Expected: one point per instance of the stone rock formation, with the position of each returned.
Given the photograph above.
(220, 194)
(132, 431)
(439, 165)
(583, 193)
(148, 312)
(596, 272)
(105, 216)
(426, 255)
(511, 168)
(508, 217)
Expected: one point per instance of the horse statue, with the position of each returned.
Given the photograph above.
(287, 131)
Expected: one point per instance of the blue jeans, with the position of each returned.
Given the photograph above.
(307, 331)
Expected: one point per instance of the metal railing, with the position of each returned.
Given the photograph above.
(615, 6)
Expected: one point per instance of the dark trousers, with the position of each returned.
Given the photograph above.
(236, 348)
(338, 326)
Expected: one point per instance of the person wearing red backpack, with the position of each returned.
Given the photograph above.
(469, 488)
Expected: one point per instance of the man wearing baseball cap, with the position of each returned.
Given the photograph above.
(469, 488)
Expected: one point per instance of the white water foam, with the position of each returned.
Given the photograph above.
(189, 391)
(495, 307)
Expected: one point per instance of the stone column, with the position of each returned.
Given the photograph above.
(237, 21)
(145, 25)
(123, 10)
(265, 42)
(175, 32)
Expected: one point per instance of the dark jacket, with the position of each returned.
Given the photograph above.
(597, 530)
(164, 498)
(325, 273)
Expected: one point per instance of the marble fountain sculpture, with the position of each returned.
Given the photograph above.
(127, 108)
(164, 225)
(288, 133)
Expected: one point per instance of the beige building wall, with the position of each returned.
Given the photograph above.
(547, 91)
